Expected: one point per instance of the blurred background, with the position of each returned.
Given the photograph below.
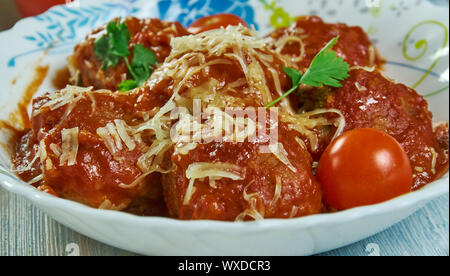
(12, 10)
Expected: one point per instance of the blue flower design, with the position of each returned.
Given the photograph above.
(62, 25)
(187, 11)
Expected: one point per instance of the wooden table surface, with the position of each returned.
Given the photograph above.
(25, 230)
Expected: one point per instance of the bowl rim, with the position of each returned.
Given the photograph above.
(416, 199)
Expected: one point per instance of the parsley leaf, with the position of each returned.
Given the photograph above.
(325, 69)
(101, 49)
(144, 56)
(119, 36)
(295, 75)
(141, 66)
(127, 85)
(113, 46)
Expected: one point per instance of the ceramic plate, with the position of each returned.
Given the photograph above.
(411, 35)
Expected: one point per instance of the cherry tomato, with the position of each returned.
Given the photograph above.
(32, 8)
(215, 22)
(363, 167)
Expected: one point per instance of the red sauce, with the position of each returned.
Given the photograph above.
(12, 132)
(19, 119)
(61, 78)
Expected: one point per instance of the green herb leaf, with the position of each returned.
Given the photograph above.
(101, 49)
(143, 56)
(142, 65)
(127, 85)
(119, 38)
(325, 69)
(295, 75)
(141, 74)
(113, 46)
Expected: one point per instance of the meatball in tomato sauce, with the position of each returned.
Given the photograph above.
(83, 147)
(243, 181)
(154, 34)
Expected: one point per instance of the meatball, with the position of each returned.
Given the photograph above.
(302, 42)
(367, 99)
(226, 179)
(154, 34)
(85, 149)
(240, 181)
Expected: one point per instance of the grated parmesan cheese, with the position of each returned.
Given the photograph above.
(113, 134)
(433, 160)
(277, 194)
(213, 171)
(69, 149)
(67, 96)
(279, 151)
(254, 211)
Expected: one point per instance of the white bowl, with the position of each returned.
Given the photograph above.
(49, 39)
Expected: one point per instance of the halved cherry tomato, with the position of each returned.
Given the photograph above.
(215, 22)
(363, 167)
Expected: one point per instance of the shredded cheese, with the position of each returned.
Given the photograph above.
(108, 205)
(69, 148)
(36, 179)
(277, 194)
(255, 211)
(282, 155)
(67, 96)
(184, 148)
(56, 149)
(113, 134)
(305, 123)
(360, 87)
(213, 171)
(122, 128)
(433, 160)
(218, 41)
(294, 212)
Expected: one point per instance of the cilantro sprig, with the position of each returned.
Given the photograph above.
(326, 69)
(113, 47)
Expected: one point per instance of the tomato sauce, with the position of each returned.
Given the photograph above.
(61, 78)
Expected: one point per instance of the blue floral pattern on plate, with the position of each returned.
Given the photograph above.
(187, 11)
(63, 25)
